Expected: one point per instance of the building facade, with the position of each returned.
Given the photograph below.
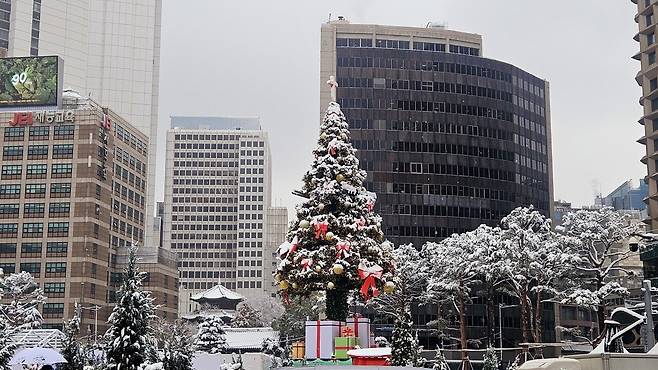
(217, 196)
(450, 140)
(111, 52)
(277, 228)
(72, 198)
(628, 196)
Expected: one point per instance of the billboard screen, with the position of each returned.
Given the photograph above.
(30, 81)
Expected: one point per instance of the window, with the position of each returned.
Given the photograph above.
(32, 229)
(14, 133)
(652, 57)
(59, 208)
(651, 39)
(39, 132)
(33, 210)
(8, 268)
(60, 190)
(54, 288)
(62, 169)
(36, 171)
(33, 268)
(35, 190)
(58, 229)
(648, 20)
(9, 210)
(63, 132)
(56, 267)
(10, 191)
(12, 171)
(8, 229)
(53, 309)
(62, 151)
(37, 152)
(12, 152)
(8, 249)
(654, 104)
(31, 248)
(56, 248)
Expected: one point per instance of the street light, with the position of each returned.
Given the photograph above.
(95, 309)
(500, 325)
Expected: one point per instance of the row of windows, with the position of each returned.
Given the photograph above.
(207, 146)
(13, 191)
(205, 246)
(441, 107)
(127, 159)
(130, 139)
(206, 209)
(445, 211)
(449, 169)
(213, 164)
(37, 151)
(205, 173)
(128, 193)
(188, 154)
(204, 236)
(453, 190)
(56, 209)
(52, 248)
(443, 148)
(127, 211)
(205, 182)
(199, 218)
(185, 227)
(60, 132)
(217, 200)
(54, 228)
(34, 268)
(125, 228)
(423, 231)
(208, 190)
(429, 126)
(129, 177)
(58, 170)
(423, 65)
(446, 87)
(402, 44)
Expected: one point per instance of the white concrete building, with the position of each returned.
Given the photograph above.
(111, 52)
(277, 228)
(217, 196)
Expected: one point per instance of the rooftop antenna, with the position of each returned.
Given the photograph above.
(329, 21)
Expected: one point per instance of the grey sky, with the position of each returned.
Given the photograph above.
(262, 58)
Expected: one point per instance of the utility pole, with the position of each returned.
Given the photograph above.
(500, 330)
(649, 336)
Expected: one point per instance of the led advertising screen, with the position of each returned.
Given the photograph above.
(30, 81)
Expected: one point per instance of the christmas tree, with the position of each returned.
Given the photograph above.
(440, 362)
(490, 360)
(71, 347)
(129, 334)
(211, 337)
(336, 243)
(404, 347)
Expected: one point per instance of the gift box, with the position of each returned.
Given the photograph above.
(297, 350)
(361, 328)
(342, 345)
(320, 336)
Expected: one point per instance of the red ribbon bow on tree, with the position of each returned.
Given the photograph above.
(321, 229)
(360, 223)
(306, 264)
(368, 275)
(288, 248)
(370, 205)
(342, 248)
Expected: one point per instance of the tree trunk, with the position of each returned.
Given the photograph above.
(491, 318)
(600, 311)
(538, 328)
(337, 308)
(462, 332)
(525, 313)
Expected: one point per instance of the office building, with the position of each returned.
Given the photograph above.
(111, 53)
(72, 199)
(628, 196)
(450, 139)
(217, 196)
(277, 228)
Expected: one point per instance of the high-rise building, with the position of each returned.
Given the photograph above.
(628, 196)
(217, 196)
(72, 199)
(111, 53)
(277, 228)
(450, 139)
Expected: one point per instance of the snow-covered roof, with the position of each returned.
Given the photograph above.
(51, 338)
(216, 293)
(222, 314)
(249, 338)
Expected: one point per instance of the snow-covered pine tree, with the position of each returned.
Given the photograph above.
(336, 244)
(71, 350)
(211, 337)
(440, 362)
(600, 232)
(247, 317)
(404, 347)
(177, 347)
(129, 333)
(7, 346)
(381, 342)
(490, 360)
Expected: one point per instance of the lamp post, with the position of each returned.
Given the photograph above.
(95, 309)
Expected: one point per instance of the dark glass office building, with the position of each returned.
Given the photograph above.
(450, 140)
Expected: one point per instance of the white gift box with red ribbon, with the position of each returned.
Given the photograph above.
(320, 336)
(361, 328)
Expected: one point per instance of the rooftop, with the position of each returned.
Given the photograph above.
(215, 123)
(216, 293)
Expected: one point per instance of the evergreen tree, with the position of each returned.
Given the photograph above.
(404, 347)
(7, 346)
(440, 362)
(336, 244)
(211, 337)
(490, 360)
(247, 317)
(178, 347)
(129, 334)
(71, 350)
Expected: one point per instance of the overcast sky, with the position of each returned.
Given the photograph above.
(261, 58)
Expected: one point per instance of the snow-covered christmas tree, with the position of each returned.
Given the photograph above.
(177, 347)
(211, 337)
(247, 317)
(336, 243)
(71, 350)
(404, 346)
(490, 360)
(440, 362)
(129, 334)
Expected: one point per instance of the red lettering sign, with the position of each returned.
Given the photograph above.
(21, 119)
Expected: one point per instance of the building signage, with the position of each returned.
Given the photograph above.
(30, 81)
(48, 117)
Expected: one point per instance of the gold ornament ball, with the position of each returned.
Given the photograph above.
(323, 135)
(317, 269)
(321, 206)
(329, 236)
(330, 285)
(283, 285)
(294, 285)
(338, 269)
(340, 177)
(277, 277)
(389, 287)
(304, 224)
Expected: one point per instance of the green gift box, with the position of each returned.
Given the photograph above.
(342, 345)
